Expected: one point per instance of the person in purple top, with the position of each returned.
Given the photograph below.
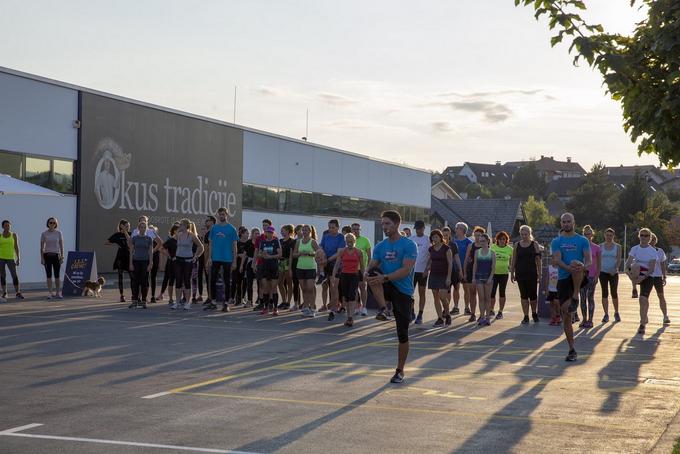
(331, 241)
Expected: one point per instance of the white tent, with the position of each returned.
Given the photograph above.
(13, 186)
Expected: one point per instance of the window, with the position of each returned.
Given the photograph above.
(12, 164)
(247, 196)
(38, 171)
(272, 203)
(62, 176)
(259, 198)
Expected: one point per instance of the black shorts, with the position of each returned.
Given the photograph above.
(552, 296)
(420, 279)
(259, 271)
(528, 289)
(651, 282)
(401, 308)
(468, 278)
(455, 277)
(500, 282)
(328, 270)
(305, 274)
(349, 283)
(437, 282)
(270, 269)
(565, 290)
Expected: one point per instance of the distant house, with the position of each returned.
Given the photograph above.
(673, 183)
(487, 174)
(563, 188)
(651, 173)
(501, 214)
(621, 181)
(442, 190)
(550, 169)
(452, 171)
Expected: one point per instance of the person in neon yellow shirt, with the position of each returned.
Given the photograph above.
(500, 278)
(364, 245)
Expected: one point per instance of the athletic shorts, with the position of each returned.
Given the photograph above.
(349, 283)
(467, 277)
(437, 282)
(305, 274)
(552, 296)
(328, 270)
(270, 270)
(259, 271)
(455, 277)
(420, 279)
(528, 289)
(650, 283)
(565, 290)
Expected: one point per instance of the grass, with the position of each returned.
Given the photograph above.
(676, 448)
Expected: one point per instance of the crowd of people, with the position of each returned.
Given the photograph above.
(273, 271)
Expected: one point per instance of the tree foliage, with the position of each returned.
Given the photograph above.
(656, 217)
(592, 203)
(536, 213)
(477, 191)
(527, 182)
(632, 199)
(641, 71)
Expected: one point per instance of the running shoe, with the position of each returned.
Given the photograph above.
(552, 322)
(635, 293)
(199, 298)
(320, 279)
(160, 297)
(60, 296)
(275, 313)
(173, 306)
(282, 305)
(311, 313)
(304, 311)
(49, 297)
(467, 311)
(439, 323)
(381, 315)
(666, 320)
(534, 316)
(170, 301)
(19, 296)
(413, 316)
(605, 319)
(294, 308)
(143, 304)
(364, 311)
(558, 320)
(349, 323)
(342, 310)
(186, 306)
(207, 302)
(153, 299)
(447, 320)
(617, 317)
(419, 320)
(264, 311)
(398, 377)
(582, 324)
(194, 300)
(331, 316)
(323, 309)
(641, 329)
(525, 320)
(132, 305)
(472, 318)
(491, 313)
(499, 315)
(455, 311)
(122, 298)
(3, 299)
(210, 307)
(487, 322)
(571, 356)
(225, 307)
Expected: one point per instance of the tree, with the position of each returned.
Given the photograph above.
(477, 191)
(631, 200)
(657, 217)
(593, 201)
(641, 71)
(527, 181)
(536, 213)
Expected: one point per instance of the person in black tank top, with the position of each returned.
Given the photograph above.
(525, 268)
(469, 264)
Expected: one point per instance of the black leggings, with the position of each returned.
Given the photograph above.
(226, 278)
(140, 279)
(296, 283)
(238, 284)
(250, 278)
(613, 281)
(51, 260)
(202, 273)
(120, 280)
(500, 282)
(154, 271)
(168, 275)
(183, 267)
(11, 264)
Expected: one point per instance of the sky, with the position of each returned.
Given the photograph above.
(428, 84)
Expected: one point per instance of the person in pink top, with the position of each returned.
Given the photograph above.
(588, 291)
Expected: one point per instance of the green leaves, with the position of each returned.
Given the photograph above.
(641, 71)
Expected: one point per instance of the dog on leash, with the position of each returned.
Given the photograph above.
(94, 288)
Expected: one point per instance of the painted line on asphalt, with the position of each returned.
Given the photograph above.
(16, 432)
(413, 410)
(153, 396)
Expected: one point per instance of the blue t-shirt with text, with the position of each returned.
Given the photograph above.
(462, 246)
(391, 255)
(222, 238)
(571, 248)
(331, 243)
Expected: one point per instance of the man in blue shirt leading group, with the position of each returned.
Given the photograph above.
(390, 277)
(221, 251)
(571, 255)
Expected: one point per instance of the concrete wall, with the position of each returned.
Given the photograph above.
(28, 215)
(37, 118)
(287, 164)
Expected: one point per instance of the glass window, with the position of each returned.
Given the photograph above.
(283, 197)
(38, 171)
(247, 196)
(259, 198)
(293, 201)
(272, 202)
(12, 164)
(325, 204)
(307, 204)
(62, 177)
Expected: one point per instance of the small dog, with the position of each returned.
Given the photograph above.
(94, 288)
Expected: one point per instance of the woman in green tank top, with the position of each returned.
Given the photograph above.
(305, 252)
(9, 257)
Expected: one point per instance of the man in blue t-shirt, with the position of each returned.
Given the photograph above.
(462, 242)
(571, 255)
(390, 277)
(331, 241)
(221, 252)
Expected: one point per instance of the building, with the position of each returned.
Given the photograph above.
(487, 174)
(550, 169)
(442, 190)
(498, 214)
(116, 158)
(563, 188)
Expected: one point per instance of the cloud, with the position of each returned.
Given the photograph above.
(441, 126)
(486, 94)
(335, 100)
(268, 91)
(493, 112)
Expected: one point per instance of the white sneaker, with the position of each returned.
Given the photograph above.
(304, 312)
(187, 305)
(293, 308)
(364, 311)
(49, 297)
(311, 314)
(3, 300)
(174, 306)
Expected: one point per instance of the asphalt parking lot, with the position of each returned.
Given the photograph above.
(91, 376)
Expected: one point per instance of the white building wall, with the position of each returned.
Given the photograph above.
(306, 167)
(37, 118)
(28, 215)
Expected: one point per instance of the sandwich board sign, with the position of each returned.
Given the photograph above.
(80, 267)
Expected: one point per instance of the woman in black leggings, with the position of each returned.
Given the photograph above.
(140, 265)
(184, 262)
(525, 267)
(122, 261)
(611, 254)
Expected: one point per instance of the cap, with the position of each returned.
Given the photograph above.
(270, 229)
(419, 225)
